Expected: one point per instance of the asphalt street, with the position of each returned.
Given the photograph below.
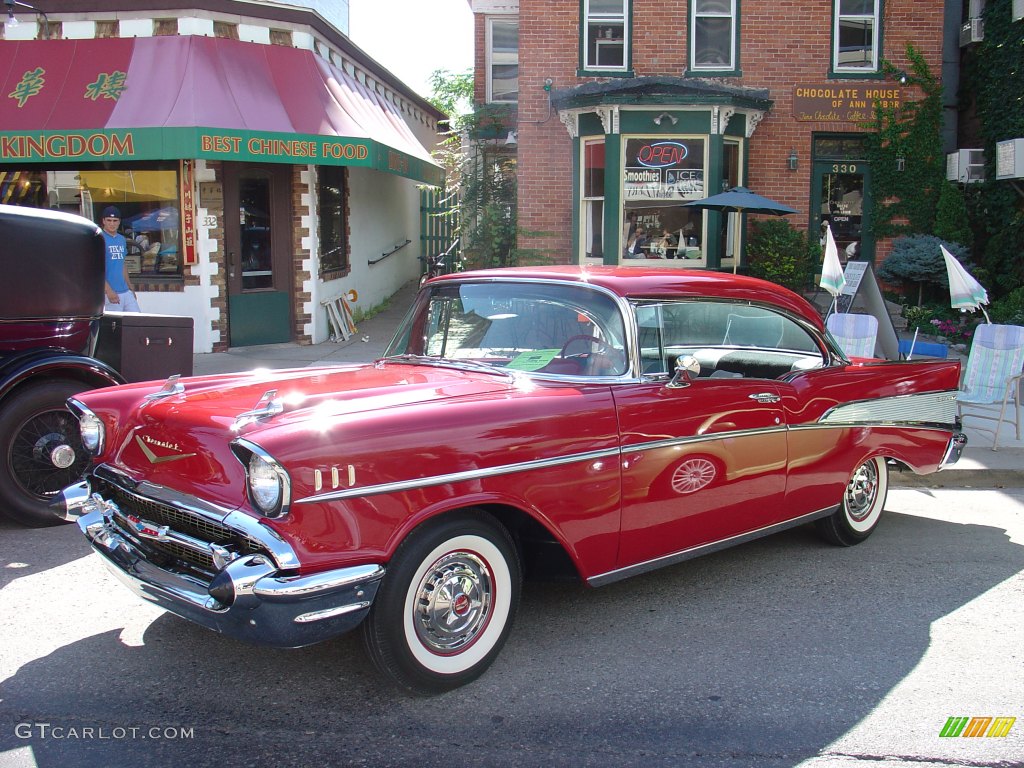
(783, 652)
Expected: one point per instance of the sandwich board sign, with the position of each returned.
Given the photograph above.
(862, 295)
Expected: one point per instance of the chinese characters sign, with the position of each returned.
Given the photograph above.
(188, 212)
(108, 85)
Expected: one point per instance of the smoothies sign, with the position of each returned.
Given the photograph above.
(664, 169)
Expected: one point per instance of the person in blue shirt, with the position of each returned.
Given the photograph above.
(120, 296)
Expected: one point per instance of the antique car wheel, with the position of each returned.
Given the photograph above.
(446, 605)
(41, 450)
(862, 505)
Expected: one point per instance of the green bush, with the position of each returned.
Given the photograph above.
(782, 254)
(951, 216)
(917, 259)
(1009, 310)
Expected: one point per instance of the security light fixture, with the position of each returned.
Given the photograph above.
(12, 20)
(793, 160)
(511, 140)
(658, 120)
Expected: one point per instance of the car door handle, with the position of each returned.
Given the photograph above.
(765, 397)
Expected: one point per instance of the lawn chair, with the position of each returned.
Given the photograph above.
(992, 378)
(855, 333)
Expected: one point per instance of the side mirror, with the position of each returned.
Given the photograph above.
(687, 369)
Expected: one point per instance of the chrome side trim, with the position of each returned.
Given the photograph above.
(930, 407)
(703, 549)
(457, 477)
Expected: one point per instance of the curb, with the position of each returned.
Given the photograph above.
(959, 478)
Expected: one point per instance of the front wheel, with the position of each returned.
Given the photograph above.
(862, 505)
(446, 605)
(41, 451)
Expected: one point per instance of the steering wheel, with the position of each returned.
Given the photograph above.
(599, 347)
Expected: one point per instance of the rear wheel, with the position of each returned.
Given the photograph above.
(41, 451)
(446, 605)
(862, 505)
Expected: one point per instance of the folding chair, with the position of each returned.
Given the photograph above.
(992, 378)
(855, 333)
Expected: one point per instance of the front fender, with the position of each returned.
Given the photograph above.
(51, 362)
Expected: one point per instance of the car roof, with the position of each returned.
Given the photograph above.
(662, 283)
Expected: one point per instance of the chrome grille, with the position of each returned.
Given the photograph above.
(178, 520)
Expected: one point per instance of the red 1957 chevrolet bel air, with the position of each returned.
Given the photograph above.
(607, 421)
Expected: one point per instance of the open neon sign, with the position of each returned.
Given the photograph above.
(661, 154)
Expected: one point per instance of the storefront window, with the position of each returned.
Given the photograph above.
(593, 199)
(331, 197)
(660, 175)
(148, 200)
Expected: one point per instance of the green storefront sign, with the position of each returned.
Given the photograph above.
(211, 144)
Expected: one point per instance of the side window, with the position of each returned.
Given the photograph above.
(713, 35)
(728, 340)
(503, 60)
(605, 33)
(855, 31)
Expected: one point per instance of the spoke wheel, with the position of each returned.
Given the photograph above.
(693, 475)
(42, 451)
(861, 508)
(446, 605)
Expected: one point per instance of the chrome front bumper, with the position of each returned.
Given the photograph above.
(249, 598)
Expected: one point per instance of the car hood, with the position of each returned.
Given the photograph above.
(182, 440)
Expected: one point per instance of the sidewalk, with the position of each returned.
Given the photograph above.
(980, 466)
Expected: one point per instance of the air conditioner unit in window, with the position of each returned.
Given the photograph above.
(966, 165)
(972, 31)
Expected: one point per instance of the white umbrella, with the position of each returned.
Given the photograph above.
(965, 292)
(832, 278)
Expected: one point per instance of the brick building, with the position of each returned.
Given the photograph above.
(624, 110)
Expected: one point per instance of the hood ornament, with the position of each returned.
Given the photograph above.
(266, 407)
(171, 387)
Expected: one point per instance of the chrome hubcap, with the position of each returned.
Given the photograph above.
(862, 491)
(63, 456)
(453, 602)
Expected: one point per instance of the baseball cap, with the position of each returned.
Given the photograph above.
(111, 212)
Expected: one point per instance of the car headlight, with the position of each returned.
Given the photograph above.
(264, 485)
(90, 428)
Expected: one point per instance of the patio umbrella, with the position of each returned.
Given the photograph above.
(740, 200)
(965, 292)
(832, 277)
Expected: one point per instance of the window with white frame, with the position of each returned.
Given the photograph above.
(503, 59)
(605, 34)
(713, 36)
(855, 35)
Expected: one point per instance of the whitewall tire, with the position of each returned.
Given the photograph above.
(446, 605)
(861, 507)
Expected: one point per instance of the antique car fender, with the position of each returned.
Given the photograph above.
(49, 362)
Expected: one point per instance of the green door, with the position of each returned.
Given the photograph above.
(257, 234)
(840, 195)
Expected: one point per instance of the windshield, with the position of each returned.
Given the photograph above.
(519, 326)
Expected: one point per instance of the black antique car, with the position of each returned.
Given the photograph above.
(52, 299)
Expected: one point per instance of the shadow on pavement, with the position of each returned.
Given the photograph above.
(760, 655)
